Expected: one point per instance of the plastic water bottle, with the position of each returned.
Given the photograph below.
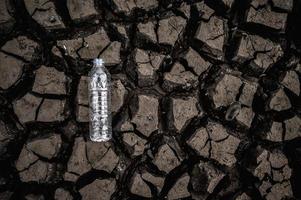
(100, 123)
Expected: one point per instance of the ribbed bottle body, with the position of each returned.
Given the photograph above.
(100, 123)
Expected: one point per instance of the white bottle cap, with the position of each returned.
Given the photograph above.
(98, 62)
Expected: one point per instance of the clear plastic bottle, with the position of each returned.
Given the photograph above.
(100, 123)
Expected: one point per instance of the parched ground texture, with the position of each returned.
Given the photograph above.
(205, 99)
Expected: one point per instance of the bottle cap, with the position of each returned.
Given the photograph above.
(98, 62)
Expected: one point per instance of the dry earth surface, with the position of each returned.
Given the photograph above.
(205, 99)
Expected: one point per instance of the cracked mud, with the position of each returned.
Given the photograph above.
(205, 99)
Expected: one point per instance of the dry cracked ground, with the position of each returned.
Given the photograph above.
(205, 99)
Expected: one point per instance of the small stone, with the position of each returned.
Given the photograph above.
(165, 159)
(292, 128)
(285, 5)
(205, 11)
(170, 29)
(51, 110)
(267, 17)
(183, 111)
(119, 93)
(146, 118)
(99, 189)
(245, 116)
(23, 47)
(11, 70)
(25, 108)
(196, 62)
(46, 147)
(148, 29)
(139, 187)
(226, 90)
(122, 29)
(101, 156)
(80, 10)
(262, 52)
(85, 48)
(62, 194)
(70, 47)
(135, 143)
(48, 80)
(157, 181)
(44, 12)
(179, 78)
(291, 81)
(111, 55)
(280, 101)
(95, 43)
(179, 190)
(78, 162)
(6, 19)
(212, 33)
